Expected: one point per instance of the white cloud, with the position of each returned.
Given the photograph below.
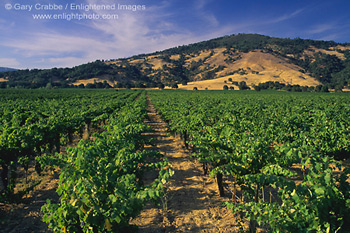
(142, 32)
(55, 49)
(9, 62)
(41, 44)
(152, 30)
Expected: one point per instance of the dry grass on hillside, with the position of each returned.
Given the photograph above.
(203, 54)
(256, 67)
(157, 63)
(218, 59)
(331, 51)
(175, 57)
(92, 80)
(212, 84)
(136, 61)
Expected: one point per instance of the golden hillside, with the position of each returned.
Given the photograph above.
(253, 67)
(248, 58)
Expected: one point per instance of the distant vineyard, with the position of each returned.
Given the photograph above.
(259, 145)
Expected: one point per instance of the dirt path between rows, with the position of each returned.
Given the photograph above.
(193, 204)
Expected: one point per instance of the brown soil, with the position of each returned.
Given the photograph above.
(192, 200)
(25, 216)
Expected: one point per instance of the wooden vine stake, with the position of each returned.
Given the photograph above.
(235, 190)
(220, 185)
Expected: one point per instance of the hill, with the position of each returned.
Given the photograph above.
(237, 60)
(5, 69)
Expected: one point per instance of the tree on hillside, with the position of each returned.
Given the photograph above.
(161, 86)
(257, 88)
(325, 65)
(324, 88)
(338, 88)
(318, 88)
(243, 86)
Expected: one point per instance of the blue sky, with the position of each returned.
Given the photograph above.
(26, 42)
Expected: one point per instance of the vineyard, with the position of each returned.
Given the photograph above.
(279, 160)
(100, 185)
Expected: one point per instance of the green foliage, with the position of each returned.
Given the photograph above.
(318, 204)
(257, 139)
(325, 65)
(101, 182)
(35, 123)
(101, 185)
(243, 86)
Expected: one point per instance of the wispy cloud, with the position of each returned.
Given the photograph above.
(67, 61)
(131, 34)
(328, 31)
(321, 28)
(287, 16)
(265, 25)
(5, 25)
(208, 17)
(9, 62)
(328, 37)
(147, 31)
(54, 49)
(43, 44)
